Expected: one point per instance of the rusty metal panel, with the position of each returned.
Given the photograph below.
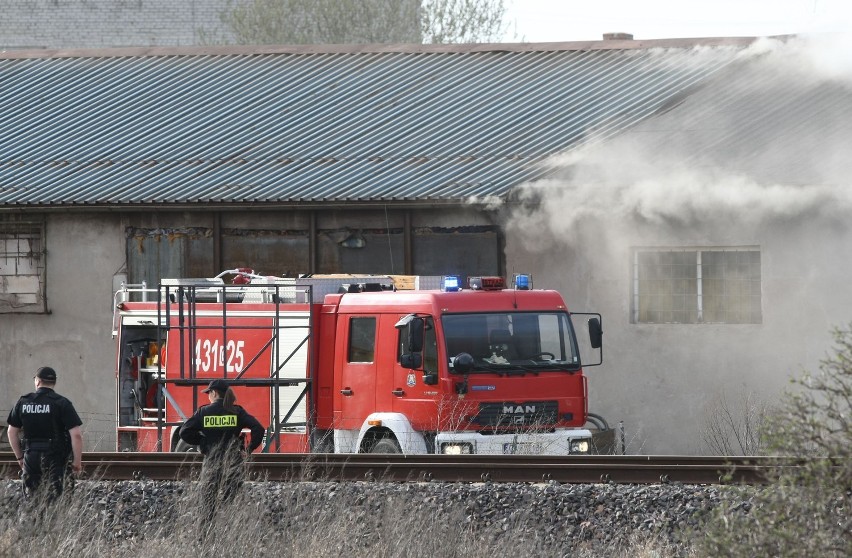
(461, 251)
(153, 254)
(268, 252)
(381, 253)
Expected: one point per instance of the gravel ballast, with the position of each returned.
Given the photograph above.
(550, 517)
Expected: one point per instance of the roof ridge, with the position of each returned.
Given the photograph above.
(262, 50)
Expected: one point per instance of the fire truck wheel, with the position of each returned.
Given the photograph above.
(386, 445)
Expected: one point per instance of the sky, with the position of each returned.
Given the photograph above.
(587, 20)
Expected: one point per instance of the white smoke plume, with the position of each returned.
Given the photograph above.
(759, 155)
(770, 140)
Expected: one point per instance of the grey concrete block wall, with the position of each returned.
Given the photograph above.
(73, 24)
(56, 24)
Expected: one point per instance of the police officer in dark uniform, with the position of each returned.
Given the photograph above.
(216, 429)
(52, 444)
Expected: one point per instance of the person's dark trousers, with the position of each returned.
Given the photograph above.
(44, 466)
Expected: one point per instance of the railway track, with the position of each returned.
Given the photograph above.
(412, 468)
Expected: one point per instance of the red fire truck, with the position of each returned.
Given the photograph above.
(346, 364)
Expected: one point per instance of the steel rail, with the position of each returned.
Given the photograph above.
(467, 468)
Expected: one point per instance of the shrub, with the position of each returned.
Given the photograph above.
(805, 509)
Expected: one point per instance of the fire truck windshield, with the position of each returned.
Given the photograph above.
(528, 340)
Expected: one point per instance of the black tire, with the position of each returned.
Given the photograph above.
(386, 445)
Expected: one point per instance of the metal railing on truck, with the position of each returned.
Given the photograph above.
(277, 294)
(178, 301)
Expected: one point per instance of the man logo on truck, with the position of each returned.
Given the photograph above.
(518, 409)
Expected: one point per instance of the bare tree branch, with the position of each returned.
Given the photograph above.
(362, 21)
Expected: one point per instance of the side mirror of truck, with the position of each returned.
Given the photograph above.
(415, 335)
(413, 361)
(463, 363)
(414, 327)
(595, 333)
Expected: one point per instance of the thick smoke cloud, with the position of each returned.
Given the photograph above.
(757, 155)
(766, 140)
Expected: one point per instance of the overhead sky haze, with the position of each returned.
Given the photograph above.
(575, 20)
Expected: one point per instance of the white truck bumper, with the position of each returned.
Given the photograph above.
(561, 442)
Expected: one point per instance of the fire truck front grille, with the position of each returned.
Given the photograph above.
(517, 413)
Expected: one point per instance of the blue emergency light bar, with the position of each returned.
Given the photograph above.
(451, 283)
(523, 282)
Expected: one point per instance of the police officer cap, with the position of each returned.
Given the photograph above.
(46, 373)
(220, 386)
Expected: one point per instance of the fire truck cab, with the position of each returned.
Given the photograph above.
(348, 364)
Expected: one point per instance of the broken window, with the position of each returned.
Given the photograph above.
(22, 267)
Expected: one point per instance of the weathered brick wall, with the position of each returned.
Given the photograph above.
(64, 24)
(107, 23)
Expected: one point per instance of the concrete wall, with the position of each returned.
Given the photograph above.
(83, 253)
(666, 380)
(108, 23)
(62, 24)
(662, 380)
(87, 253)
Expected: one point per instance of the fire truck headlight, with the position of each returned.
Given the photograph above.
(457, 448)
(581, 445)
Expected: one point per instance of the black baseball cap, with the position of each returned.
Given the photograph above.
(46, 373)
(220, 386)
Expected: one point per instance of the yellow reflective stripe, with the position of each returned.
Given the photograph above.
(220, 421)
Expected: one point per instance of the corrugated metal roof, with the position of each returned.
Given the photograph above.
(311, 125)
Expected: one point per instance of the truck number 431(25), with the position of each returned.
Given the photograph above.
(211, 356)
